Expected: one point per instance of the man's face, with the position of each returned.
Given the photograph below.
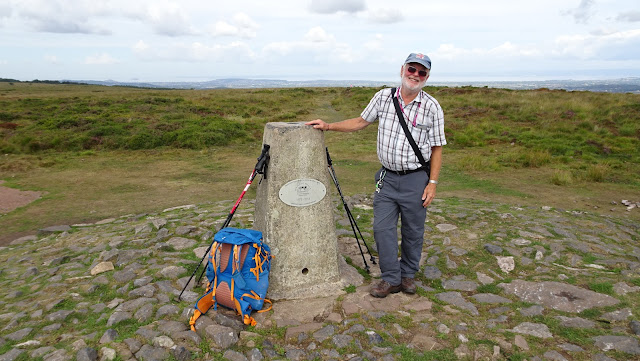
(411, 76)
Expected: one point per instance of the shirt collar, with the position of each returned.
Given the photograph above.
(418, 98)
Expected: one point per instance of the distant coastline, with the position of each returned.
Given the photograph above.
(622, 85)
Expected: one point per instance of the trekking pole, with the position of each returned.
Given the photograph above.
(354, 225)
(260, 168)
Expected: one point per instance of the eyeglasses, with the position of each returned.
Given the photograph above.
(412, 69)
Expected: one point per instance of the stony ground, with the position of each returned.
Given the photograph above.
(497, 282)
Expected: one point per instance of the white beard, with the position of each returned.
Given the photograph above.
(412, 86)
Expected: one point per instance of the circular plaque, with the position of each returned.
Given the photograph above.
(302, 192)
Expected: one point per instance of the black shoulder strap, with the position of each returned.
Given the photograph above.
(407, 132)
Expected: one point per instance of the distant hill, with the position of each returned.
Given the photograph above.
(238, 83)
(626, 85)
(622, 85)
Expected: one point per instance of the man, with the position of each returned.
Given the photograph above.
(403, 187)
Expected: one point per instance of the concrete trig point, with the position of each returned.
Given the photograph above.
(295, 214)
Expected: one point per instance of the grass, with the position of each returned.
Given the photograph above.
(98, 152)
(407, 354)
(350, 289)
(489, 288)
(602, 287)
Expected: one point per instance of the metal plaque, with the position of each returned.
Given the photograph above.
(302, 192)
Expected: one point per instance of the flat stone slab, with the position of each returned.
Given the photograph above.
(490, 298)
(181, 243)
(55, 229)
(446, 227)
(456, 299)
(533, 329)
(290, 310)
(624, 344)
(559, 296)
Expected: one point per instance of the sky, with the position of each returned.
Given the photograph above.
(199, 40)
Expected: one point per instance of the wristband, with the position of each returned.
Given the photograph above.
(433, 181)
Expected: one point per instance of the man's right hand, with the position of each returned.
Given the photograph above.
(318, 124)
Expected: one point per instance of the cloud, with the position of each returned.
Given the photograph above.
(315, 40)
(140, 47)
(194, 52)
(61, 16)
(336, 6)
(375, 44)
(168, 18)
(242, 26)
(507, 49)
(5, 12)
(67, 26)
(604, 45)
(100, 59)
(384, 16)
(630, 16)
(51, 59)
(315, 47)
(318, 35)
(164, 17)
(597, 45)
(582, 13)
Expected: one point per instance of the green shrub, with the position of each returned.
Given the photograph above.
(597, 172)
(525, 158)
(562, 177)
(630, 130)
(142, 140)
(7, 117)
(479, 163)
(535, 158)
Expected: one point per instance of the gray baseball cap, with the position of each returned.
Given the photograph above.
(420, 59)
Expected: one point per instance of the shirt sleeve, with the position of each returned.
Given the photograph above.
(371, 112)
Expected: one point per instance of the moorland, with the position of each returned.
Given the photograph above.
(96, 152)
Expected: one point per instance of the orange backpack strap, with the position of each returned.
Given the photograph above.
(249, 320)
(194, 318)
(207, 301)
(266, 309)
(255, 296)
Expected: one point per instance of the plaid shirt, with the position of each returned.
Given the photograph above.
(425, 120)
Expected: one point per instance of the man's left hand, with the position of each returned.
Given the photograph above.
(428, 195)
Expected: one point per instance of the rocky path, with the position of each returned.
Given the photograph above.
(497, 282)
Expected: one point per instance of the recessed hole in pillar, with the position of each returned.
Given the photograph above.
(305, 271)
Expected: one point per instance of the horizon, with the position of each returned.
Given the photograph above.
(620, 85)
(430, 81)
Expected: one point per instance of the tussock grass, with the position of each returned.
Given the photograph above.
(597, 172)
(479, 163)
(561, 177)
(525, 158)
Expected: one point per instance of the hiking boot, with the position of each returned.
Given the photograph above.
(408, 285)
(384, 288)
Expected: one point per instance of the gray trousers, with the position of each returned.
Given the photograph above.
(400, 195)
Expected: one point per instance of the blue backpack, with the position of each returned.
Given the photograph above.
(238, 274)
